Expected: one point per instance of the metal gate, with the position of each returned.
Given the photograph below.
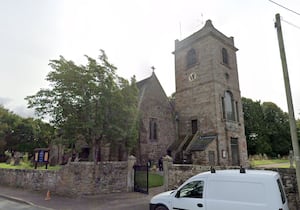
(141, 177)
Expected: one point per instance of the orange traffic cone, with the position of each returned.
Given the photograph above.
(47, 196)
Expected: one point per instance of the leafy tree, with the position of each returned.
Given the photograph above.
(266, 128)
(90, 101)
(21, 138)
(23, 135)
(277, 128)
(255, 127)
(29, 134)
(5, 123)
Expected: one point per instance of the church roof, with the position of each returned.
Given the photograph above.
(201, 143)
(145, 82)
(142, 83)
(147, 85)
(208, 29)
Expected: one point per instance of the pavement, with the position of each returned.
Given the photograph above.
(112, 201)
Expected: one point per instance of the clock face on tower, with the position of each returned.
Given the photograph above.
(192, 76)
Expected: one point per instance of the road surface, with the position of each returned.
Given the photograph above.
(6, 204)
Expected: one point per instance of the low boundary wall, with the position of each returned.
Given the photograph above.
(76, 178)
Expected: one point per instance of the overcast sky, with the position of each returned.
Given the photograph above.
(138, 34)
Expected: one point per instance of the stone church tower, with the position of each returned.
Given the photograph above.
(209, 117)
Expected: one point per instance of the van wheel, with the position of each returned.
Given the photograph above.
(161, 208)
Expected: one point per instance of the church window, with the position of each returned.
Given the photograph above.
(153, 129)
(228, 106)
(225, 56)
(223, 108)
(191, 58)
(194, 126)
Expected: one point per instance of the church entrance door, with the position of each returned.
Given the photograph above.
(235, 152)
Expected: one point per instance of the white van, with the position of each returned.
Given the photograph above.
(226, 190)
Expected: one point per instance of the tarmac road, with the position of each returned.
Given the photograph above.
(112, 201)
(7, 204)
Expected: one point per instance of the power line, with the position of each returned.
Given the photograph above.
(298, 27)
(285, 7)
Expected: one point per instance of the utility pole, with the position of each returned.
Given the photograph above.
(292, 121)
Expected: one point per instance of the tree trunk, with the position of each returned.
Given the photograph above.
(96, 151)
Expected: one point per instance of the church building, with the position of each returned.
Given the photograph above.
(204, 124)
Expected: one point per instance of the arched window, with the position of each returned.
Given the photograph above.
(228, 106)
(225, 56)
(153, 129)
(191, 58)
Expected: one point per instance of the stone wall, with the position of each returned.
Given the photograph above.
(80, 178)
(288, 177)
(176, 174)
(84, 178)
(154, 105)
(29, 179)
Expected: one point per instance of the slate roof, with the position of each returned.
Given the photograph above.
(142, 85)
(151, 82)
(201, 143)
(143, 82)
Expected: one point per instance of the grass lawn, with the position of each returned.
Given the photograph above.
(24, 165)
(154, 180)
(284, 163)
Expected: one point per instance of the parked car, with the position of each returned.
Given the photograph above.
(226, 190)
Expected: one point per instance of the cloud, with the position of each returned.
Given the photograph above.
(20, 110)
(23, 111)
(4, 101)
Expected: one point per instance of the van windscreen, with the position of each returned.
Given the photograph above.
(281, 191)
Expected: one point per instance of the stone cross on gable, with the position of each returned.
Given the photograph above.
(153, 68)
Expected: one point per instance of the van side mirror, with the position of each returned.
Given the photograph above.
(177, 194)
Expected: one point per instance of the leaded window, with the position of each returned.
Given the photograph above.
(228, 106)
(153, 129)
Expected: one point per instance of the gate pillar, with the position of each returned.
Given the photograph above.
(130, 174)
(167, 162)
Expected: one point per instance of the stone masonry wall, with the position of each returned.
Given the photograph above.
(288, 177)
(201, 87)
(176, 174)
(73, 179)
(155, 105)
(179, 173)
